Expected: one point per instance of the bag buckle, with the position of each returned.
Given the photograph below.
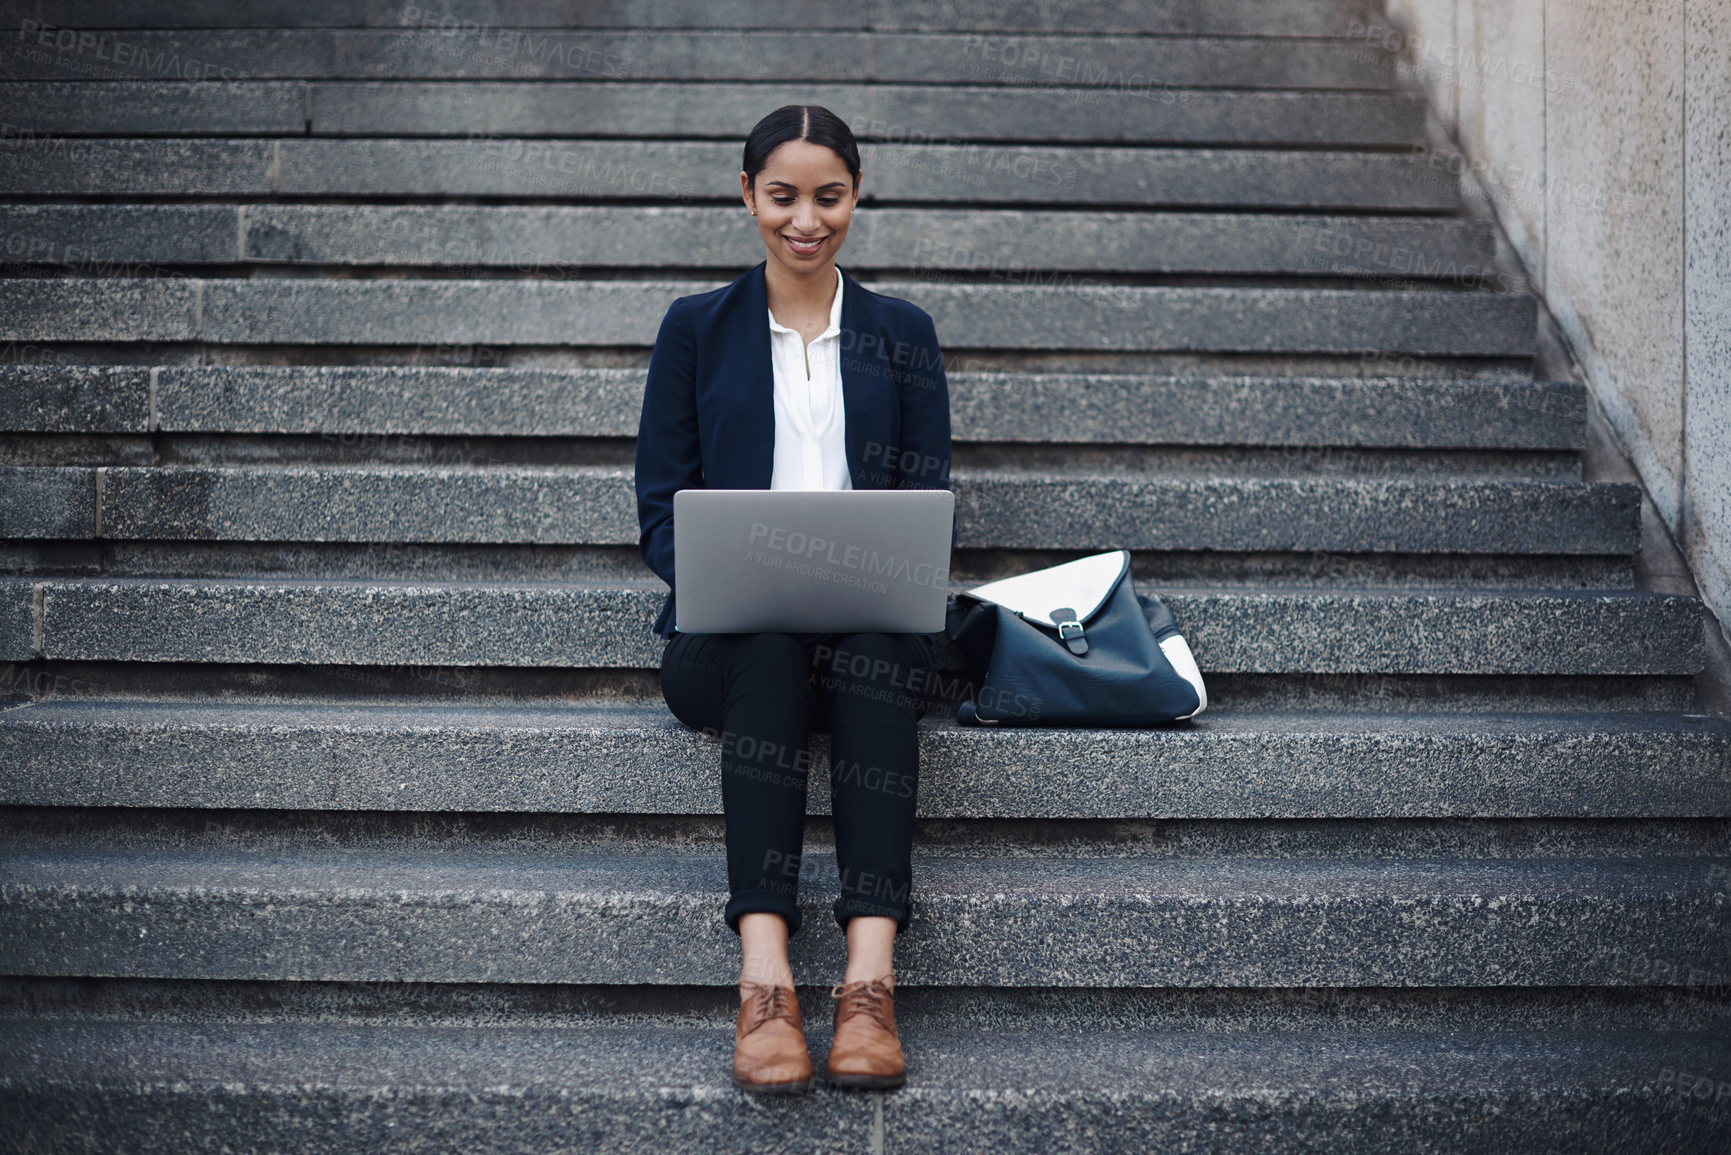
(1070, 630)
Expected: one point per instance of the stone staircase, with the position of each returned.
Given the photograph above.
(341, 810)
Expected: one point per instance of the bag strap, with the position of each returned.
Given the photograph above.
(1070, 629)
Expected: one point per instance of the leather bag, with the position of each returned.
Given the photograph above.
(1073, 645)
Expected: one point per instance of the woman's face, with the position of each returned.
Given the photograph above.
(804, 199)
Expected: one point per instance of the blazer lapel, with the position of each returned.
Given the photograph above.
(757, 382)
(860, 390)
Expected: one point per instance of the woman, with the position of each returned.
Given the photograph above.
(795, 376)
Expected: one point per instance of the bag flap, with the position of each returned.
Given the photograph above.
(1082, 585)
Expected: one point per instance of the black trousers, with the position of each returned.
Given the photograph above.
(760, 694)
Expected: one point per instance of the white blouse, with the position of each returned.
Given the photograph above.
(810, 446)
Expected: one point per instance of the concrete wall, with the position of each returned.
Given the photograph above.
(1602, 131)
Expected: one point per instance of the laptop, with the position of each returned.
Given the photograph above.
(811, 560)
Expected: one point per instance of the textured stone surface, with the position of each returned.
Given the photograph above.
(1410, 412)
(594, 758)
(155, 108)
(543, 312)
(1013, 246)
(609, 108)
(1023, 510)
(45, 163)
(1155, 177)
(74, 399)
(463, 1084)
(1599, 131)
(1615, 221)
(1582, 633)
(38, 502)
(1427, 34)
(1267, 320)
(1342, 1013)
(353, 623)
(463, 624)
(1417, 412)
(467, 17)
(17, 620)
(1142, 65)
(892, 113)
(401, 399)
(552, 913)
(100, 309)
(131, 833)
(398, 504)
(1502, 85)
(514, 564)
(1310, 514)
(676, 170)
(118, 239)
(1706, 520)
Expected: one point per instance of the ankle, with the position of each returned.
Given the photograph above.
(766, 973)
(866, 972)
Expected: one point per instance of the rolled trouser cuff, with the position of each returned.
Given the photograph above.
(762, 902)
(850, 906)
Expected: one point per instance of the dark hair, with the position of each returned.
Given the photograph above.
(811, 122)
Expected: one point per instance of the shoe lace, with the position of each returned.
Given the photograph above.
(866, 997)
(769, 1001)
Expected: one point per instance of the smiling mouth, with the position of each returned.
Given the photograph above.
(804, 247)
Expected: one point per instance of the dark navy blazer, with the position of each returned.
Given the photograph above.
(709, 408)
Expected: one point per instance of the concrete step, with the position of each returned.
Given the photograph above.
(632, 756)
(1032, 508)
(1144, 65)
(1253, 571)
(545, 1080)
(376, 1087)
(205, 900)
(1497, 412)
(1672, 1001)
(156, 108)
(1011, 246)
(891, 113)
(479, 19)
(696, 110)
(272, 621)
(300, 311)
(921, 171)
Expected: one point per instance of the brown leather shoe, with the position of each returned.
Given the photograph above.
(769, 1052)
(866, 1052)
